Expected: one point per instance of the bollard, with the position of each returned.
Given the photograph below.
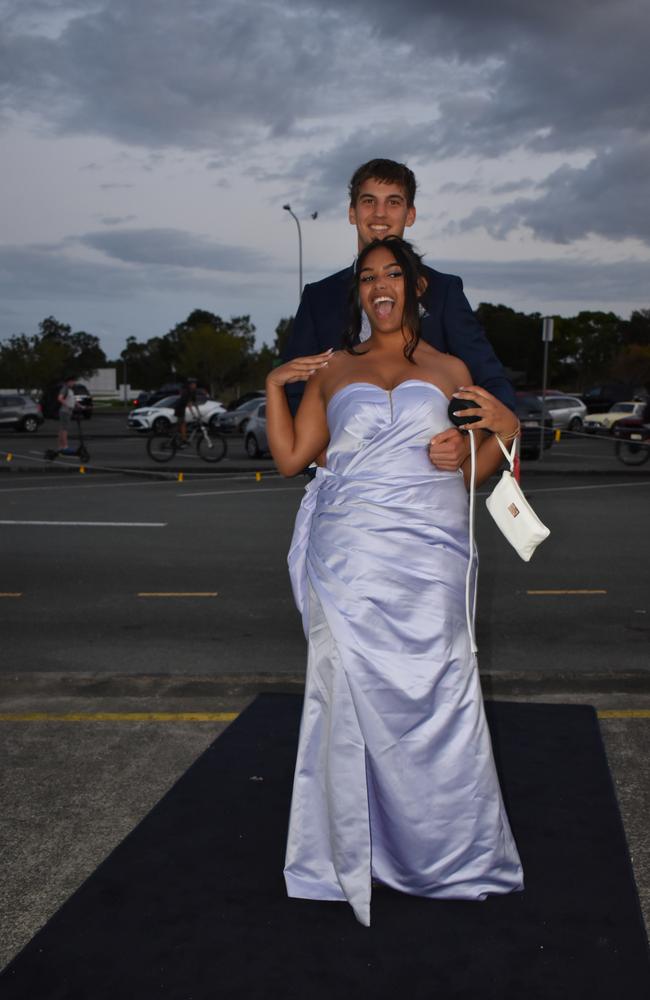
(82, 470)
(558, 434)
(180, 477)
(9, 456)
(258, 477)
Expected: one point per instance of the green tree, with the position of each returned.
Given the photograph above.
(636, 330)
(84, 354)
(34, 362)
(633, 366)
(146, 364)
(587, 344)
(516, 338)
(282, 334)
(218, 352)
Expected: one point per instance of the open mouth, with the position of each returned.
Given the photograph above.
(383, 305)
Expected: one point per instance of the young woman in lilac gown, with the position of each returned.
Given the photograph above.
(395, 779)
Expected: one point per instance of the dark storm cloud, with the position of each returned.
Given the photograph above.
(202, 76)
(545, 76)
(608, 197)
(568, 280)
(55, 271)
(37, 271)
(173, 248)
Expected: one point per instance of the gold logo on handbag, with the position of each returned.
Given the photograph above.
(514, 510)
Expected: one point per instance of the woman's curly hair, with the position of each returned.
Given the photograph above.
(410, 263)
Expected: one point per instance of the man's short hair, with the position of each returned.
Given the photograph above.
(387, 171)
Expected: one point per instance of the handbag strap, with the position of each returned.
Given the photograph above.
(509, 455)
(470, 605)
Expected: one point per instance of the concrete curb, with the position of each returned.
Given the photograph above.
(36, 684)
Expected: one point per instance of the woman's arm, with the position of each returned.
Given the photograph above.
(495, 417)
(296, 441)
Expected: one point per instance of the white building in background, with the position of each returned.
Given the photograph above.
(103, 384)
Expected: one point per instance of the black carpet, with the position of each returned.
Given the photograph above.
(192, 906)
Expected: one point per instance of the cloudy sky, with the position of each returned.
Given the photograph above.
(148, 148)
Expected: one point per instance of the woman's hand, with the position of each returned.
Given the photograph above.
(299, 369)
(448, 450)
(494, 416)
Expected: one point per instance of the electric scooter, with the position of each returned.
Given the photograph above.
(81, 452)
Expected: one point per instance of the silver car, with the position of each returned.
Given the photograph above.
(255, 440)
(20, 412)
(567, 412)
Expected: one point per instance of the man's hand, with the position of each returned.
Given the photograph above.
(448, 450)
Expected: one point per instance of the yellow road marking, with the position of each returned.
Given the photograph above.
(118, 716)
(623, 713)
(170, 593)
(9, 594)
(602, 713)
(555, 592)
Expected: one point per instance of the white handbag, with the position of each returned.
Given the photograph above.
(512, 512)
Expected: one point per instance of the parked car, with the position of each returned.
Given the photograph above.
(236, 421)
(529, 410)
(83, 400)
(567, 412)
(629, 409)
(254, 394)
(154, 396)
(256, 442)
(20, 412)
(600, 398)
(162, 416)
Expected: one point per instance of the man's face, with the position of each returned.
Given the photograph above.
(380, 211)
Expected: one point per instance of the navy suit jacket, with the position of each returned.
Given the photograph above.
(449, 325)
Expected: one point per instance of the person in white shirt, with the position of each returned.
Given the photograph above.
(67, 403)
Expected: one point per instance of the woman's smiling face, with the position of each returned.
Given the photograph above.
(381, 290)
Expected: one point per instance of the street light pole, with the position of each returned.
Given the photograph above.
(547, 337)
(293, 215)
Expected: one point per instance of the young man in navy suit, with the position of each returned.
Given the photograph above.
(382, 203)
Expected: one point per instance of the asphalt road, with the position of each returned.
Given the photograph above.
(101, 541)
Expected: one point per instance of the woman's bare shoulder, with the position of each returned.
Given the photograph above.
(458, 370)
(336, 371)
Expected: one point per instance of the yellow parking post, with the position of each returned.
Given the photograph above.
(558, 434)
(258, 477)
(9, 456)
(181, 477)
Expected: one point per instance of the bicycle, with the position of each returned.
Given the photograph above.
(633, 451)
(210, 445)
(633, 444)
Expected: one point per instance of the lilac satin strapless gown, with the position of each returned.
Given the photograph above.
(395, 777)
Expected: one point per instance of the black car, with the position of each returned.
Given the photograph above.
(155, 395)
(83, 401)
(236, 403)
(20, 412)
(529, 410)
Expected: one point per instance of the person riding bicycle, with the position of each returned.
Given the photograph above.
(187, 400)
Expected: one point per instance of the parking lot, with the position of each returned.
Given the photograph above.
(140, 609)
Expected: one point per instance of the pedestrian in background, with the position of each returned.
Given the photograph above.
(67, 402)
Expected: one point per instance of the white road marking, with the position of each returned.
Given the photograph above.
(94, 524)
(251, 491)
(570, 489)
